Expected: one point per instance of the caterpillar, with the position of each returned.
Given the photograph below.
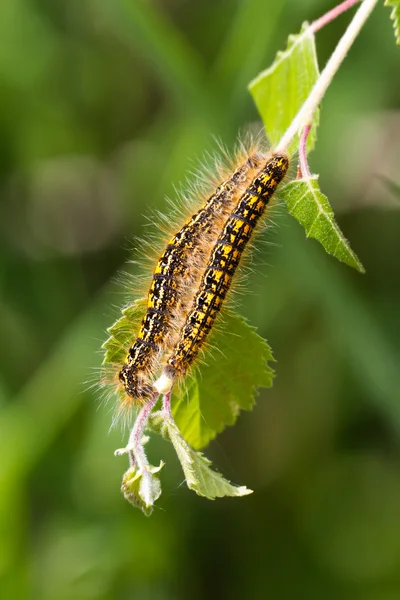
(175, 273)
(222, 264)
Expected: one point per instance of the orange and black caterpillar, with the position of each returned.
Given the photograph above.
(223, 262)
(174, 273)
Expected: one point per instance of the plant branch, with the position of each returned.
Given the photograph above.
(304, 168)
(332, 14)
(134, 446)
(167, 404)
(306, 112)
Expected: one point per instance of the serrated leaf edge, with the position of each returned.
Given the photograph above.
(395, 16)
(188, 457)
(329, 216)
(293, 41)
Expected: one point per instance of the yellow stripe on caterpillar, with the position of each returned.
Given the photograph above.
(178, 270)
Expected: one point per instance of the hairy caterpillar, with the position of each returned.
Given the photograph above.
(178, 270)
(220, 269)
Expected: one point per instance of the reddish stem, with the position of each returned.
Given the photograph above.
(135, 439)
(167, 403)
(331, 15)
(134, 448)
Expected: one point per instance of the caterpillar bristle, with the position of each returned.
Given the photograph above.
(221, 267)
(214, 191)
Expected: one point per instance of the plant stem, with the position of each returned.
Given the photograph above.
(306, 112)
(134, 446)
(304, 168)
(167, 404)
(331, 15)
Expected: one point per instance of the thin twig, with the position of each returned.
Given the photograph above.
(304, 168)
(332, 14)
(167, 403)
(134, 446)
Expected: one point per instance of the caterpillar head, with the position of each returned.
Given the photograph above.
(136, 384)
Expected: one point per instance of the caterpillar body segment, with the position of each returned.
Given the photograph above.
(220, 269)
(178, 270)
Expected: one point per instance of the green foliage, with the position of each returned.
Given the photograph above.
(142, 488)
(122, 333)
(395, 16)
(311, 208)
(196, 467)
(66, 532)
(279, 93)
(225, 383)
(280, 90)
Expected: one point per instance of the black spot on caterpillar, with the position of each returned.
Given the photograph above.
(178, 270)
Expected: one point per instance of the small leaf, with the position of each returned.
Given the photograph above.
(142, 488)
(196, 467)
(225, 383)
(280, 90)
(395, 16)
(122, 333)
(308, 205)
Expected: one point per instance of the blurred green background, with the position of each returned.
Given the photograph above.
(104, 106)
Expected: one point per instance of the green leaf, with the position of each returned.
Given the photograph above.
(395, 16)
(142, 488)
(123, 332)
(196, 467)
(308, 205)
(225, 383)
(280, 91)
